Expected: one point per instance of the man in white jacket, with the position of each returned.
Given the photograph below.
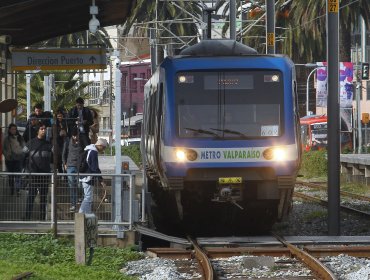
(93, 167)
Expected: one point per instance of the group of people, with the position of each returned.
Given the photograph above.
(34, 152)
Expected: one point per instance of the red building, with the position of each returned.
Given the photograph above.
(134, 77)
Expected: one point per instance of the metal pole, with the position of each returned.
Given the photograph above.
(270, 27)
(232, 20)
(28, 94)
(365, 138)
(358, 102)
(209, 23)
(118, 157)
(358, 107)
(308, 90)
(153, 49)
(110, 103)
(332, 53)
(55, 186)
(128, 83)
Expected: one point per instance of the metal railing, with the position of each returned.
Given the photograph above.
(45, 198)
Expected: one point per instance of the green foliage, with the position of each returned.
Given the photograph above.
(133, 151)
(50, 258)
(314, 164)
(357, 188)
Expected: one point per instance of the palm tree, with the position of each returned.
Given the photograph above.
(68, 86)
(309, 28)
(145, 13)
(82, 38)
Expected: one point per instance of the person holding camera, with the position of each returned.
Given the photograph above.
(81, 118)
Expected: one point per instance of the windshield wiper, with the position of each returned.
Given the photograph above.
(230, 131)
(203, 131)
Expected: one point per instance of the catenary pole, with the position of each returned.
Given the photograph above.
(232, 20)
(270, 27)
(332, 54)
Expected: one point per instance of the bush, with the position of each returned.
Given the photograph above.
(314, 164)
(132, 151)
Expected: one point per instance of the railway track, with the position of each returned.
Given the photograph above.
(324, 202)
(323, 187)
(286, 261)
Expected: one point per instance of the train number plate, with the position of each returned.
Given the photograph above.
(230, 180)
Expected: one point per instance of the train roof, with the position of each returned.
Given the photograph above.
(218, 48)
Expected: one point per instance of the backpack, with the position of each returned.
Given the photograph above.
(83, 166)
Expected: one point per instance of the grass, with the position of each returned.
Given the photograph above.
(357, 188)
(53, 259)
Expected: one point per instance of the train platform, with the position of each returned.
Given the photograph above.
(356, 167)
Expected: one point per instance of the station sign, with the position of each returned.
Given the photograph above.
(59, 59)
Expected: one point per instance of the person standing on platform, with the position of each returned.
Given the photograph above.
(38, 154)
(93, 167)
(81, 117)
(13, 152)
(72, 154)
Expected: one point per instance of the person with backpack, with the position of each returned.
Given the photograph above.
(73, 153)
(92, 167)
(38, 153)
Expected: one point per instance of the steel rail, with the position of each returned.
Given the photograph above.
(325, 203)
(203, 260)
(320, 270)
(344, 193)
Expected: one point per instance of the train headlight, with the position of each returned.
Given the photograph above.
(182, 155)
(278, 154)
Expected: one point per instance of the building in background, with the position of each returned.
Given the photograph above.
(134, 77)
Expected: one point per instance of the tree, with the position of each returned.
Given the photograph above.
(82, 38)
(68, 87)
(145, 14)
(309, 27)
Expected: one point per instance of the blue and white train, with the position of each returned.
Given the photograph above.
(221, 138)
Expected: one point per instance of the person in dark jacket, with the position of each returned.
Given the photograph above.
(62, 138)
(31, 128)
(72, 154)
(40, 116)
(13, 151)
(93, 167)
(81, 118)
(38, 153)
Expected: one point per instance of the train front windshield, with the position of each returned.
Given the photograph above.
(232, 105)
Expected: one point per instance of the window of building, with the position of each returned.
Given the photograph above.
(106, 123)
(133, 83)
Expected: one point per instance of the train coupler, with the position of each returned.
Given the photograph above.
(231, 193)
